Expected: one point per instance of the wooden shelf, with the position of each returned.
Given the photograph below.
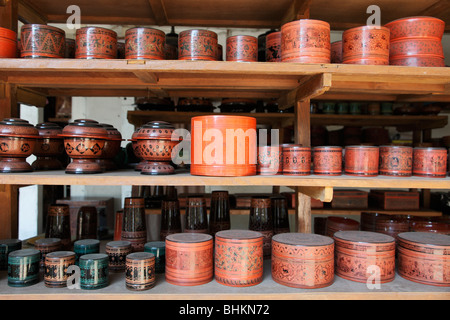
(222, 79)
(130, 177)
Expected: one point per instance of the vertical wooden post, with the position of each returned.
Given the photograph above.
(303, 136)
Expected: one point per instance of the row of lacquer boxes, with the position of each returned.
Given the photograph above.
(413, 41)
(235, 258)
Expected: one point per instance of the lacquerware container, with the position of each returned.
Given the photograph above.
(336, 52)
(242, 48)
(134, 226)
(111, 148)
(270, 160)
(197, 45)
(196, 216)
(96, 43)
(430, 162)
(396, 161)
(58, 224)
(327, 160)
(170, 218)
(361, 161)
(42, 41)
(296, 160)
(6, 247)
(47, 245)
(273, 47)
(49, 146)
(140, 271)
(261, 220)
(117, 252)
(219, 215)
(420, 26)
(23, 267)
(56, 266)
(8, 43)
(158, 249)
(144, 43)
(335, 224)
(85, 246)
(94, 271)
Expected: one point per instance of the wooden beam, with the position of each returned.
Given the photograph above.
(436, 9)
(146, 77)
(299, 9)
(28, 13)
(309, 87)
(9, 15)
(324, 194)
(159, 12)
(31, 97)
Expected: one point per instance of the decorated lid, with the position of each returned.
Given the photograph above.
(10, 244)
(140, 256)
(56, 255)
(303, 239)
(156, 130)
(113, 133)
(118, 244)
(47, 242)
(93, 257)
(189, 237)
(85, 128)
(363, 237)
(15, 127)
(49, 130)
(427, 239)
(86, 244)
(23, 253)
(238, 234)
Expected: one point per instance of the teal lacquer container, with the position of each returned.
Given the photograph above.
(158, 248)
(6, 247)
(23, 267)
(85, 246)
(94, 271)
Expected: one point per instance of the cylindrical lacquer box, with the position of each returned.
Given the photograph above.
(117, 252)
(335, 224)
(327, 160)
(42, 41)
(296, 160)
(8, 43)
(260, 220)
(303, 260)
(189, 259)
(56, 265)
(424, 257)
(96, 43)
(336, 52)
(144, 43)
(58, 224)
(47, 245)
(197, 45)
(273, 47)
(85, 246)
(6, 247)
(140, 271)
(361, 161)
(430, 162)
(238, 258)
(196, 217)
(158, 249)
(242, 48)
(94, 271)
(219, 215)
(364, 256)
(270, 160)
(23, 267)
(134, 227)
(396, 161)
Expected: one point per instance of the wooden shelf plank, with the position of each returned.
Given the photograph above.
(130, 177)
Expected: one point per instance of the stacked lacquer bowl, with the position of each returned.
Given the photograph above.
(416, 41)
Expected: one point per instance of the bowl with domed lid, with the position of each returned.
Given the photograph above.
(49, 146)
(111, 148)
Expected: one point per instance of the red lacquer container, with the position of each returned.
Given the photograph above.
(42, 41)
(361, 161)
(305, 41)
(269, 160)
(335, 224)
(413, 47)
(8, 43)
(118, 220)
(430, 162)
(396, 161)
(327, 160)
(49, 146)
(111, 148)
(424, 257)
(144, 43)
(242, 48)
(296, 160)
(336, 52)
(420, 27)
(366, 45)
(273, 47)
(358, 252)
(189, 259)
(223, 145)
(238, 258)
(69, 52)
(17, 142)
(96, 43)
(303, 260)
(418, 61)
(197, 45)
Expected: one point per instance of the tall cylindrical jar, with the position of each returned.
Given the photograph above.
(134, 227)
(170, 218)
(219, 215)
(196, 217)
(261, 220)
(58, 224)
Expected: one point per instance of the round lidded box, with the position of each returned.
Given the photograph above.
(17, 141)
(144, 43)
(49, 146)
(327, 160)
(430, 162)
(361, 161)
(417, 27)
(85, 246)
(23, 267)
(273, 47)
(396, 161)
(42, 41)
(238, 258)
(242, 48)
(140, 271)
(270, 160)
(197, 45)
(47, 245)
(424, 257)
(56, 265)
(117, 252)
(6, 247)
(94, 271)
(359, 253)
(303, 260)
(334, 224)
(95, 43)
(8, 43)
(158, 249)
(296, 160)
(189, 259)
(233, 151)
(111, 148)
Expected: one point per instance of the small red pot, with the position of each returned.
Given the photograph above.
(430, 162)
(242, 48)
(418, 61)
(296, 160)
(303, 260)
(413, 47)
(189, 259)
(366, 45)
(396, 161)
(96, 43)
(273, 47)
(8, 43)
(423, 27)
(357, 251)
(361, 161)
(424, 257)
(270, 160)
(305, 41)
(336, 52)
(231, 266)
(42, 41)
(144, 43)
(197, 45)
(327, 160)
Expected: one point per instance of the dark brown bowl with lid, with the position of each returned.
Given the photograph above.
(111, 148)
(155, 146)
(84, 141)
(17, 141)
(49, 146)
